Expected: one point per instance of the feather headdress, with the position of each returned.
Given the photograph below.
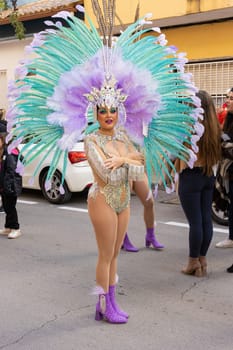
(52, 98)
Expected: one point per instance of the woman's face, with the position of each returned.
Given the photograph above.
(107, 117)
(229, 101)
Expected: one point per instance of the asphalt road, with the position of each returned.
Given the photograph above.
(47, 276)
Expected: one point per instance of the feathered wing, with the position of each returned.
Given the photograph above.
(49, 105)
(32, 116)
(162, 110)
(174, 128)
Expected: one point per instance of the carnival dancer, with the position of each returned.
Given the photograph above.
(108, 153)
(136, 84)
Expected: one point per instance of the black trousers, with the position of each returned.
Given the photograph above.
(196, 193)
(9, 205)
(230, 194)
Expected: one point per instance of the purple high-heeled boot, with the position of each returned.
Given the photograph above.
(105, 310)
(128, 246)
(151, 239)
(112, 296)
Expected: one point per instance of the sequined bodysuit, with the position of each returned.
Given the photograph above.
(113, 184)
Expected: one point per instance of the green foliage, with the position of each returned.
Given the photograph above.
(17, 25)
(3, 5)
(14, 19)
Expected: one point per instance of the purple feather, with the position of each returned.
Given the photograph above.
(70, 104)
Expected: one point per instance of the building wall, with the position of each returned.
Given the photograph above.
(11, 52)
(207, 5)
(163, 8)
(203, 42)
(159, 8)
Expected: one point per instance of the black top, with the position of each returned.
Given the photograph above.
(10, 181)
(228, 129)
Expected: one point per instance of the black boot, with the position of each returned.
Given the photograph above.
(230, 269)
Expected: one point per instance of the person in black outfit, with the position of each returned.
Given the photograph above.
(4, 122)
(196, 187)
(227, 164)
(227, 150)
(1, 209)
(10, 186)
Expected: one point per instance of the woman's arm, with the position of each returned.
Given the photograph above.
(113, 169)
(133, 157)
(133, 162)
(96, 158)
(115, 162)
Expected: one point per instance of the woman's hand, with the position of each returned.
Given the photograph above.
(114, 162)
(136, 156)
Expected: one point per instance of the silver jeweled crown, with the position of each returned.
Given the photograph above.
(108, 95)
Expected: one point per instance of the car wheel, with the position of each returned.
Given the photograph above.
(53, 195)
(219, 216)
(220, 208)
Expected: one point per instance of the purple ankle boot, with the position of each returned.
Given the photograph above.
(128, 246)
(151, 239)
(105, 310)
(112, 296)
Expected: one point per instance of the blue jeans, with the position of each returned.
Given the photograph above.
(196, 193)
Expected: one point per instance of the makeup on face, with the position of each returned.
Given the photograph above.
(105, 110)
(107, 117)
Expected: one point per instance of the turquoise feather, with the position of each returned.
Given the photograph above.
(73, 45)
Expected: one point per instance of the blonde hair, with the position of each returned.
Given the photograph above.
(210, 143)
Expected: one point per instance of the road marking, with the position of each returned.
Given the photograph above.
(26, 202)
(60, 207)
(181, 224)
(74, 209)
(171, 223)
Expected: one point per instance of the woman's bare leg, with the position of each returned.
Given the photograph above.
(143, 192)
(122, 224)
(104, 220)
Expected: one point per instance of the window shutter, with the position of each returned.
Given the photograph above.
(214, 77)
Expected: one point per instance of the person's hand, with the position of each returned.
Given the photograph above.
(114, 162)
(136, 156)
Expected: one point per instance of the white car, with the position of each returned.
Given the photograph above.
(78, 175)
